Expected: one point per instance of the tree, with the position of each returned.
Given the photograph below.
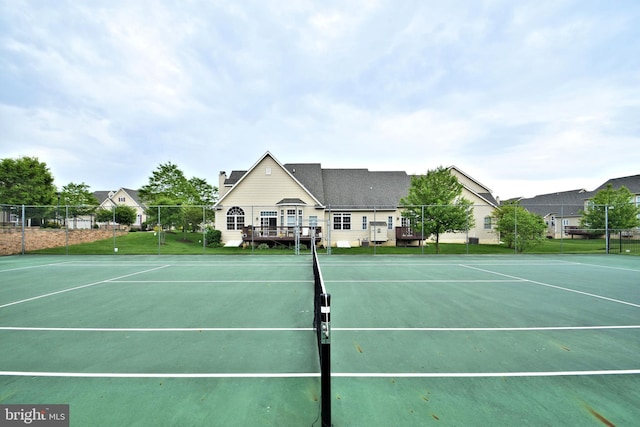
(435, 205)
(78, 200)
(519, 229)
(616, 205)
(123, 215)
(26, 181)
(168, 187)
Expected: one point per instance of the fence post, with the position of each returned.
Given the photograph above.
(66, 229)
(422, 229)
(22, 223)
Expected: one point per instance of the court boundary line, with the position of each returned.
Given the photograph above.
(317, 374)
(72, 329)
(339, 329)
(552, 286)
(78, 287)
(51, 264)
(264, 281)
(507, 329)
(634, 270)
(428, 281)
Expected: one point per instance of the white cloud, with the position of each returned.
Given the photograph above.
(516, 94)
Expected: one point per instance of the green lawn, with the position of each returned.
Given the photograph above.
(191, 243)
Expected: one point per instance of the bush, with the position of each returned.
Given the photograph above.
(263, 246)
(213, 237)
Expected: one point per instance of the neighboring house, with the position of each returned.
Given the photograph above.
(343, 207)
(631, 182)
(123, 196)
(561, 211)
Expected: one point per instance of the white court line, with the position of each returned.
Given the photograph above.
(394, 281)
(55, 264)
(263, 281)
(482, 374)
(160, 375)
(20, 328)
(523, 329)
(606, 266)
(317, 374)
(518, 329)
(78, 287)
(553, 286)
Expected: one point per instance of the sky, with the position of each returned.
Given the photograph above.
(527, 97)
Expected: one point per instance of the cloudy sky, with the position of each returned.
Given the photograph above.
(528, 97)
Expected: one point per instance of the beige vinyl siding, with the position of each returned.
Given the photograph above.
(469, 183)
(264, 186)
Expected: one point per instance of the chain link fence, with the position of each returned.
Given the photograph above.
(180, 229)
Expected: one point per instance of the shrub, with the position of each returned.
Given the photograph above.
(213, 237)
(263, 246)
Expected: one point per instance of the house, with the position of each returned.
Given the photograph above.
(561, 211)
(123, 196)
(632, 183)
(281, 203)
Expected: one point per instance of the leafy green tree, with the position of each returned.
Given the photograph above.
(124, 215)
(616, 205)
(26, 181)
(435, 205)
(169, 188)
(519, 229)
(166, 182)
(78, 200)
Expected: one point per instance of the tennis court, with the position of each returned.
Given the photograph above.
(415, 340)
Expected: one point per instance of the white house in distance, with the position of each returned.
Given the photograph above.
(343, 207)
(122, 197)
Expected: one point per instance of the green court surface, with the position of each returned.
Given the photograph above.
(416, 340)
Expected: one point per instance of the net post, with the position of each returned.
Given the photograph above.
(322, 324)
(325, 360)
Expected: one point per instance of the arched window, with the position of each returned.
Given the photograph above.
(235, 218)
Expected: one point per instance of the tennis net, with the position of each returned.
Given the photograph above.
(322, 325)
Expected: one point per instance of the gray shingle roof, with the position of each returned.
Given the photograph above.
(309, 175)
(631, 182)
(569, 203)
(234, 177)
(361, 188)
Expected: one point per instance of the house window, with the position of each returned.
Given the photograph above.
(313, 221)
(487, 222)
(235, 218)
(268, 219)
(121, 199)
(342, 221)
(405, 222)
(364, 222)
(390, 222)
(291, 217)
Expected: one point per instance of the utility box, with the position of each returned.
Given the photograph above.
(378, 231)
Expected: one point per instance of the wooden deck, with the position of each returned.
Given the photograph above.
(280, 235)
(405, 235)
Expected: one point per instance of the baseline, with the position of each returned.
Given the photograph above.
(552, 286)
